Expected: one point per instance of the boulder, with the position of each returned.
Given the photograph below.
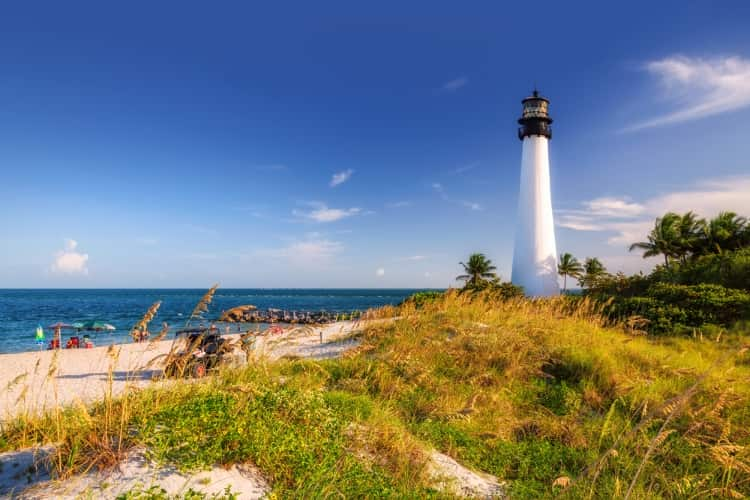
(236, 313)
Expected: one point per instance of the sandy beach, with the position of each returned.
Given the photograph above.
(42, 380)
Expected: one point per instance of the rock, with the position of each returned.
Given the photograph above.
(236, 313)
(451, 477)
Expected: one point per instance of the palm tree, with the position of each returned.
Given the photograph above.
(593, 271)
(568, 266)
(724, 232)
(689, 229)
(663, 238)
(478, 271)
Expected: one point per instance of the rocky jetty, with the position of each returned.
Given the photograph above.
(250, 314)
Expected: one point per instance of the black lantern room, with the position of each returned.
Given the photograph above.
(535, 119)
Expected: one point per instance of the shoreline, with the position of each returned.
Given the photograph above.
(37, 381)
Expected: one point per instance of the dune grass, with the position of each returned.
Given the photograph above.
(539, 393)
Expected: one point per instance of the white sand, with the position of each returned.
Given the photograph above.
(35, 381)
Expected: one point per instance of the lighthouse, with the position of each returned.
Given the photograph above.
(535, 252)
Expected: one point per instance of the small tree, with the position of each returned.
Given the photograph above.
(593, 271)
(568, 266)
(664, 238)
(478, 272)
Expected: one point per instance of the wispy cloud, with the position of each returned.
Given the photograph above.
(341, 177)
(312, 249)
(197, 228)
(592, 213)
(320, 212)
(380, 272)
(440, 190)
(631, 221)
(471, 205)
(465, 168)
(398, 204)
(699, 87)
(415, 257)
(69, 260)
(455, 84)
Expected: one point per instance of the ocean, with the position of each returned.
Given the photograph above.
(21, 310)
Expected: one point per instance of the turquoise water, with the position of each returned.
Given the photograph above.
(22, 310)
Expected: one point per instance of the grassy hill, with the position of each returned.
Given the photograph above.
(541, 394)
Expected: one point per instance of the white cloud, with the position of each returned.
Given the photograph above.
(707, 198)
(466, 168)
(700, 87)
(341, 177)
(322, 213)
(380, 272)
(197, 228)
(398, 204)
(438, 188)
(70, 261)
(578, 222)
(455, 84)
(472, 205)
(591, 216)
(313, 249)
(631, 221)
(614, 207)
(427, 274)
(416, 257)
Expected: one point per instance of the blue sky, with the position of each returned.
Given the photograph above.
(326, 144)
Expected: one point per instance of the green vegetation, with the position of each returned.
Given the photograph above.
(479, 272)
(679, 238)
(480, 276)
(562, 397)
(539, 393)
(420, 298)
(703, 284)
(568, 266)
(158, 493)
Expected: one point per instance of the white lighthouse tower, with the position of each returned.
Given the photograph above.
(535, 252)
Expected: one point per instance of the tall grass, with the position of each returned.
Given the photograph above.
(542, 393)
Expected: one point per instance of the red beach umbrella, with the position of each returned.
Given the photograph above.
(60, 325)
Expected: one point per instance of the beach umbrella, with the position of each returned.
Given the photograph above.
(60, 325)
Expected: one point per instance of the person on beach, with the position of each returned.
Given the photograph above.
(140, 335)
(55, 344)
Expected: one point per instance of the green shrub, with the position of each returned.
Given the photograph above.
(672, 308)
(729, 269)
(421, 298)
